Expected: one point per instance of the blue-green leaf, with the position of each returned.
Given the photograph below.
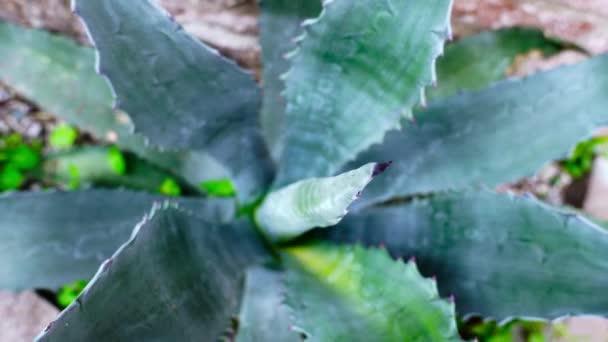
(104, 166)
(48, 69)
(280, 24)
(500, 255)
(317, 202)
(352, 294)
(179, 278)
(361, 67)
(48, 239)
(178, 92)
(475, 62)
(492, 136)
(264, 315)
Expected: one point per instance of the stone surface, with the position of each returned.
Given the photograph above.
(583, 329)
(596, 201)
(584, 22)
(228, 25)
(231, 26)
(23, 316)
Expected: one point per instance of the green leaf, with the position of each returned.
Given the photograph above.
(178, 92)
(179, 278)
(59, 75)
(11, 178)
(117, 160)
(23, 157)
(48, 239)
(501, 255)
(67, 294)
(63, 136)
(12, 140)
(492, 136)
(219, 188)
(280, 23)
(28, 57)
(361, 67)
(580, 161)
(264, 316)
(73, 174)
(353, 294)
(477, 61)
(170, 187)
(316, 202)
(105, 167)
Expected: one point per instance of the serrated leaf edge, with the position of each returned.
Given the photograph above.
(157, 208)
(410, 264)
(407, 111)
(100, 70)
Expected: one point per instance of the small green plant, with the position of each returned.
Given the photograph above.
(117, 161)
(63, 137)
(491, 331)
(580, 162)
(170, 187)
(282, 260)
(69, 293)
(17, 159)
(219, 188)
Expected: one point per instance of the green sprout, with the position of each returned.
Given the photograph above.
(63, 137)
(11, 178)
(17, 158)
(117, 161)
(580, 161)
(219, 188)
(169, 187)
(74, 177)
(491, 331)
(24, 157)
(12, 140)
(70, 292)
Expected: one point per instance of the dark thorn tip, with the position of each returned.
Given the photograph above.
(49, 326)
(381, 167)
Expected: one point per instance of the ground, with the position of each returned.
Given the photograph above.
(231, 27)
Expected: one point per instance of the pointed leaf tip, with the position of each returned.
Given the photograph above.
(380, 168)
(317, 202)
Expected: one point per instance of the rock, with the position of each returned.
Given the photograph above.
(596, 201)
(583, 22)
(23, 316)
(228, 25)
(584, 328)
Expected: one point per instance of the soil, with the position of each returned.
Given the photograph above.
(231, 27)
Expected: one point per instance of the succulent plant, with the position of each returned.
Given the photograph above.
(341, 124)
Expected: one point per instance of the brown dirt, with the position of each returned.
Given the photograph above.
(228, 25)
(24, 315)
(584, 22)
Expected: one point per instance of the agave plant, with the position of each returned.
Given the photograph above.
(280, 262)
